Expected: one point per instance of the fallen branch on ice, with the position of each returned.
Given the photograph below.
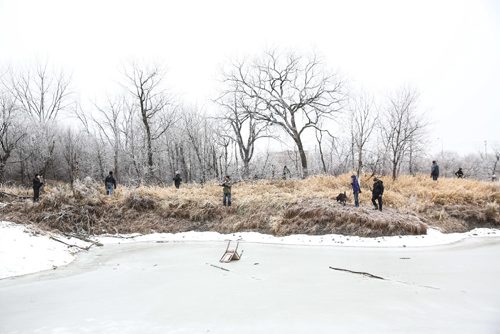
(71, 235)
(71, 245)
(358, 272)
(221, 268)
(381, 278)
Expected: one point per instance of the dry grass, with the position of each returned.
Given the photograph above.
(275, 207)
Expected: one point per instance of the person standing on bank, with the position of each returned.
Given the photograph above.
(434, 170)
(37, 184)
(226, 190)
(356, 190)
(459, 173)
(177, 179)
(377, 192)
(110, 184)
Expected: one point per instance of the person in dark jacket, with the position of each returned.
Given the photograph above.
(177, 179)
(110, 184)
(37, 184)
(356, 190)
(286, 173)
(434, 171)
(459, 173)
(377, 192)
(226, 190)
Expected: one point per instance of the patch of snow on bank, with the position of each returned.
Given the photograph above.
(24, 251)
(433, 238)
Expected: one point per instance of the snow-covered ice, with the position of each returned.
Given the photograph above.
(25, 250)
(147, 287)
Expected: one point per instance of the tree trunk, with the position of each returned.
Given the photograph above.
(2, 171)
(497, 156)
(394, 170)
(115, 162)
(183, 164)
(303, 158)
(149, 145)
(360, 162)
(246, 168)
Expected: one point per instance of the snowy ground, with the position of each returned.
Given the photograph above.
(281, 285)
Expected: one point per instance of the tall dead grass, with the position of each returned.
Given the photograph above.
(277, 207)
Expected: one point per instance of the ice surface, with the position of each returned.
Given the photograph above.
(171, 287)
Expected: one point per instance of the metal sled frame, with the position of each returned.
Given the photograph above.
(230, 254)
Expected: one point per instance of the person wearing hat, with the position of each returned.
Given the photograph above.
(177, 179)
(356, 190)
(377, 192)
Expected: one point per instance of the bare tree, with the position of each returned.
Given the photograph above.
(109, 124)
(196, 129)
(42, 94)
(496, 156)
(72, 151)
(363, 119)
(240, 116)
(11, 131)
(402, 126)
(153, 105)
(292, 93)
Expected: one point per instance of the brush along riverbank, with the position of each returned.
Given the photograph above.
(277, 207)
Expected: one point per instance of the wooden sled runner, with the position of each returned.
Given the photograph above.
(231, 254)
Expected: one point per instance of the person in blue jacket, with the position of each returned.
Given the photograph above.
(356, 190)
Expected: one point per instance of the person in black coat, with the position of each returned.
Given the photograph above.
(37, 184)
(434, 171)
(110, 184)
(377, 192)
(459, 173)
(177, 179)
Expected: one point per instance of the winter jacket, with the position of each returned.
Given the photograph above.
(435, 170)
(110, 180)
(378, 188)
(177, 179)
(355, 185)
(37, 184)
(226, 187)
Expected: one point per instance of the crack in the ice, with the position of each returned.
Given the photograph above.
(382, 278)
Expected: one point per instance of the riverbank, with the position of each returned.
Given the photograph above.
(274, 207)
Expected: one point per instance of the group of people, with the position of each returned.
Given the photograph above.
(110, 185)
(435, 171)
(377, 190)
(378, 186)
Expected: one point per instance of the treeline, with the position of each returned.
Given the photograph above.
(145, 134)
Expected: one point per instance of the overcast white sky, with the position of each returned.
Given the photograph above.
(448, 50)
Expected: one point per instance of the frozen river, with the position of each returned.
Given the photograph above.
(172, 288)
